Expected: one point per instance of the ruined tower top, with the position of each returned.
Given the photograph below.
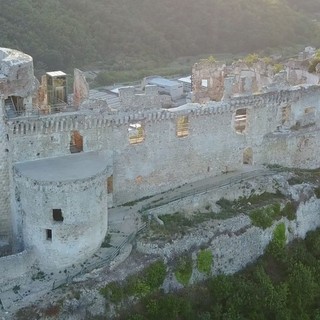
(16, 73)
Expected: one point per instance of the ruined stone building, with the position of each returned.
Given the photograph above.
(63, 164)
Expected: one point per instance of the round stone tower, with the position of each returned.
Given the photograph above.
(17, 86)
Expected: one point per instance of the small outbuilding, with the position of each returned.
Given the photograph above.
(171, 87)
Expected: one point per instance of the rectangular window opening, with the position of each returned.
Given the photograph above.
(182, 126)
(310, 110)
(110, 184)
(49, 234)
(240, 122)
(136, 133)
(57, 215)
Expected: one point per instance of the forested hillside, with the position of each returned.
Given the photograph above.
(67, 33)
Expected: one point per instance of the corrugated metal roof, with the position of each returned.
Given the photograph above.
(185, 79)
(163, 82)
(56, 74)
(112, 99)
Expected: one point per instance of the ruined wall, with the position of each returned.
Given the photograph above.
(235, 242)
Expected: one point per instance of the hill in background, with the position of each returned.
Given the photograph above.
(61, 34)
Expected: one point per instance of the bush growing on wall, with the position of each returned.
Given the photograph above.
(204, 261)
(278, 242)
(183, 270)
(148, 281)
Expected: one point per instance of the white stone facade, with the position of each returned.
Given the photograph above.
(280, 127)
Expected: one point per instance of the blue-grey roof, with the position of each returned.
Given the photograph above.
(163, 82)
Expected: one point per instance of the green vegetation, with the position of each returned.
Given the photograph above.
(299, 175)
(40, 275)
(283, 284)
(133, 35)
(278, 67)
(251, 58)
(106, 241)
(183, 270)
(204, 261)
(317, 192)
(263, 209)
(146, 282)
(264, 217)
(278, 242)
(314, 62)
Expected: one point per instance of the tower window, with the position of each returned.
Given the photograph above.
(182, 129)
(57, 215)
(49, 234)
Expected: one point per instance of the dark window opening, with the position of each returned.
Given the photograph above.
(110, 184)
(49, 234)
(76, 143)
(248, 156)
(57, 215)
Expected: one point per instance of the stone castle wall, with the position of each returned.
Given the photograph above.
(5, 212)
(163, 160)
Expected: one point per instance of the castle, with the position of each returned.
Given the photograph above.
(64, 164)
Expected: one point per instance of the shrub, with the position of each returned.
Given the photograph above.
(224, 203)
(113, 291)
(278, 242)
(204, 261)
(264, 217)
(317, 192)
(250, 59)
(155, 274)
(183, 270)
(278, 67)
(289, 211)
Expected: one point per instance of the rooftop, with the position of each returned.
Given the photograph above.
(67, 168)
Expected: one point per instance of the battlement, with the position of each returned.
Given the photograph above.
(62, 122)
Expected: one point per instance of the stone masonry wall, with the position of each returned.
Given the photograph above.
(5, 212)
(163, 160)
(83, 205)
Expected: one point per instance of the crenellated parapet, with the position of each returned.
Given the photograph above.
(63, 122)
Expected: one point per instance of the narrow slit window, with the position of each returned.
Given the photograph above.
(286, 113)
(57, 215)
(240, 123)
(110, 184)
(136, 133)
(49, 234)
(182, 126)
